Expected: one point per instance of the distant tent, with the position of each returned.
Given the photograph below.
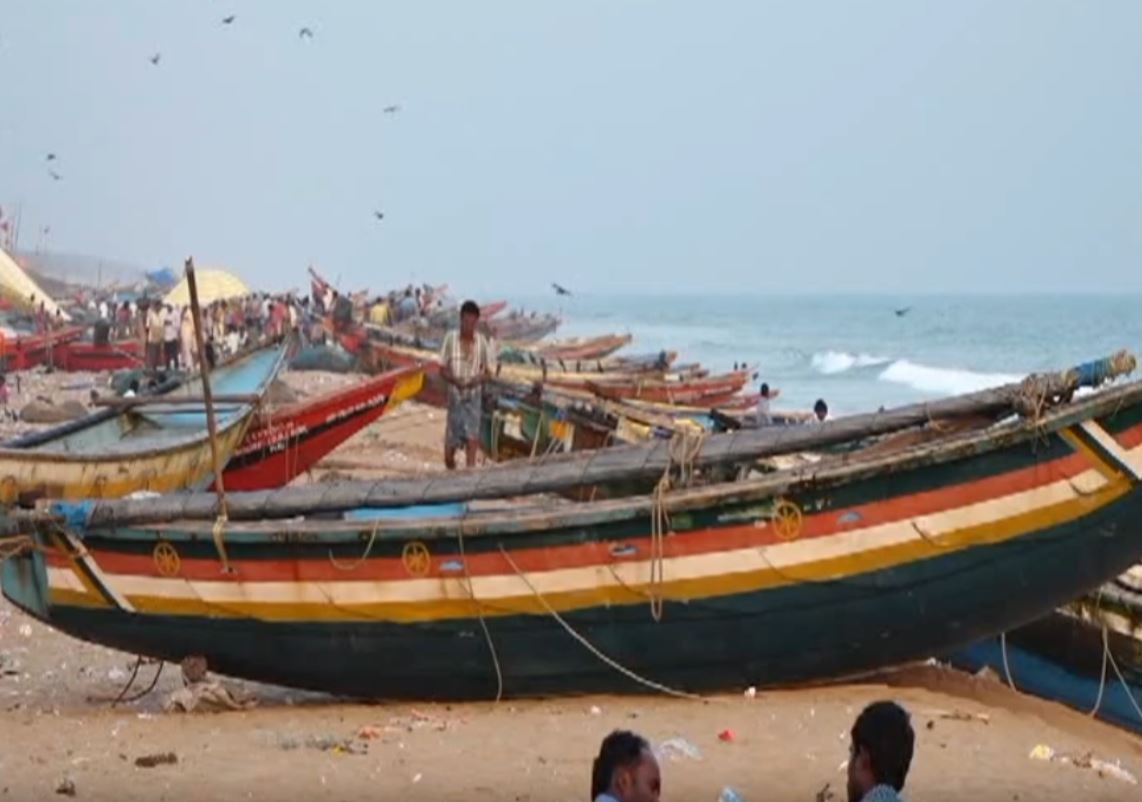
(19, 288)
(163, 277)
(213, 285)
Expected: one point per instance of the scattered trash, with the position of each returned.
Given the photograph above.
(368, 732)
(596, 710)
(960, 715)
(26, 630)
(675, 748)
(826, 793)
(1103, 768)
(729, 795)
(66, 787)
(161, 759)
(200, 690)
(325, 743)
(726, 735)
(416, 778)
(117, 674)
(751, 692)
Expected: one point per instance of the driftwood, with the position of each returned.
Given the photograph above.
(645, 461)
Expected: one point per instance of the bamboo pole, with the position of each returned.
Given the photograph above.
(211, 423)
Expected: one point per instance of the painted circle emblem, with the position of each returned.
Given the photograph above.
(416, 558)
(786, 519)
(166, 559)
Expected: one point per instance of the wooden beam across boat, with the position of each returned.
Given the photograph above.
(639, 462)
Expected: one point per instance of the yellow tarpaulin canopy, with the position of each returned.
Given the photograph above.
(213, 285)
(18, 287)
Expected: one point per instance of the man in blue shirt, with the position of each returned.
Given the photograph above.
(880, 753)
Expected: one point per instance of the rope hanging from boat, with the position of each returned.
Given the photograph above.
(15, 546)
(218, 532)
(626, 672)
(684, 450)
(360, 560)
(480, 613)
(1108, 658)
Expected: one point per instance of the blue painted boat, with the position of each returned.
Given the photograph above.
(160, 445)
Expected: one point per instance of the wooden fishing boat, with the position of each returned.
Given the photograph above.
(26, 351)
(574, 348)
(288, 441)
(852, 565)
(377, 356)
(161, 445)
(1087, 654)
(87, 356)
(708, 391)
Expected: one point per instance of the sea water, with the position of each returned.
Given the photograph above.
(856, 352)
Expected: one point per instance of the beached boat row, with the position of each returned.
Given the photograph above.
(910, 536)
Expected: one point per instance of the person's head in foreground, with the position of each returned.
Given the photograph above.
(469, 317)
(625, 770)
(821, 409)
(880, 753)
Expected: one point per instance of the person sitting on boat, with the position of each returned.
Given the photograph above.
(820, 411)
(764, 398)
(625, 770)
(464, 363)
(880, 753)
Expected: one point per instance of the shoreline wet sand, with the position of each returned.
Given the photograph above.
(974, 735)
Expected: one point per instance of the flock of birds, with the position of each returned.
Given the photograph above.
(305, 32)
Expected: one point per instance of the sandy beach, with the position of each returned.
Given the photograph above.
(974, 739)
(58, 729)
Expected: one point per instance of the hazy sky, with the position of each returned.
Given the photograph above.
(734, 146)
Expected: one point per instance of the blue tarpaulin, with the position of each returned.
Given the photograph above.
(164, 277)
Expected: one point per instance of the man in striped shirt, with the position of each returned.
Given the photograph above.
(464, 364)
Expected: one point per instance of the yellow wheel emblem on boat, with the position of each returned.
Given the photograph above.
(786, 519)
(166, 559)
(416, 558)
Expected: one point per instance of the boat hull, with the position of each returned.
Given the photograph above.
(771, 637)
(798, 577)
(95, 358)
(292, 440)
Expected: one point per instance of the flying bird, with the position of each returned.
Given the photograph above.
(55, 176)
(51, 157)
(560, 289)
(305, 33)
(379, 215)
(392, 109)
(230, 19)
(156, 58)
(903, 311)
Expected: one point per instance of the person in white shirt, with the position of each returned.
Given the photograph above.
(763, 401)
(465, 363)
(820, 411)
(170, 338)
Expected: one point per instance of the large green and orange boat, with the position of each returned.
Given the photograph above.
(922, 529)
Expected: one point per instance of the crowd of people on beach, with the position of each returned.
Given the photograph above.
(881, 745)
(166, 330)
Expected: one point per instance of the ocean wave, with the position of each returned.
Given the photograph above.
(942, 381)
(830, 362)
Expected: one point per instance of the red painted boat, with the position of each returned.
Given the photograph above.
(377, 357)
(292, 439)
(119, 355)
(26, 351)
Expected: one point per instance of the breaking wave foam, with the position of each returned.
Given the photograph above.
(830, 362)
(942, 381)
